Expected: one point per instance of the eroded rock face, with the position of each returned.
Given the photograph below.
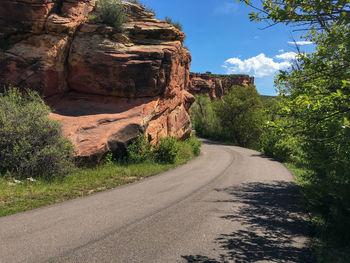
(37, 63)
(24, 16)
(98, 124)
(106, 87)
(42, 40)
(216, 85)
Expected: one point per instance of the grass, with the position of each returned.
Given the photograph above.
(29, 195)
(329, 246)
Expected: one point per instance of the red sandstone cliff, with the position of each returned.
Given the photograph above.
(216, 85)
(104, 86)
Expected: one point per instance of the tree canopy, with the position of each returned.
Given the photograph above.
(316, 95)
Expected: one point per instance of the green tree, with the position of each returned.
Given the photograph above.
(204, 119)
(310, 14)
(317, 95)
(240, 115)
(275, 141)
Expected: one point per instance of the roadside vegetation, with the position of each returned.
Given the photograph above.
(237, 118)
(308, 125)
(37, 167)
(31, 144)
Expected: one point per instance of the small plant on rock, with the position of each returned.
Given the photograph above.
(111, 12)
(175, 24)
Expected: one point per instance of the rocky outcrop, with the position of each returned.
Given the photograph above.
(106, 87)
(216, 85)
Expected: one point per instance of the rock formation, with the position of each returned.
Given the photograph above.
(106, 87)
(216, 85)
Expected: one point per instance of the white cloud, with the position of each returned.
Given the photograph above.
(226, 8)
(281, 50)
(260, 65)
(287, 56)
(300, 43)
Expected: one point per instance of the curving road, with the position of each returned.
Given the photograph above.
(228, 205)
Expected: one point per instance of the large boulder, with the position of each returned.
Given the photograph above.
(99, 124)
(106, 87)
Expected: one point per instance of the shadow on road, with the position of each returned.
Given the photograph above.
(273, 221)
(199, 258)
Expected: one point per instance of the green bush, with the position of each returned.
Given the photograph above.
(281, 146)
(31, 144)
(167, 150)
(185, 152)
(109, 159)
(139, 150)
(195, 145)
(111, 12)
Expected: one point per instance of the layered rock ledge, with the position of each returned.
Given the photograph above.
(106, 87)
(216, 85)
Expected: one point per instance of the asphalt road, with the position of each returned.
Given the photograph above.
(228, 205)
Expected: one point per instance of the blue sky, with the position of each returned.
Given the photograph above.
(222, 39)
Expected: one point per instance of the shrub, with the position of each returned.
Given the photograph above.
(31, 144)
(280, 146)
(109, 159)
(167, 150)
(139, 150)
(111, 12)
(188, 149)
(175, 24)
(195, 144)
